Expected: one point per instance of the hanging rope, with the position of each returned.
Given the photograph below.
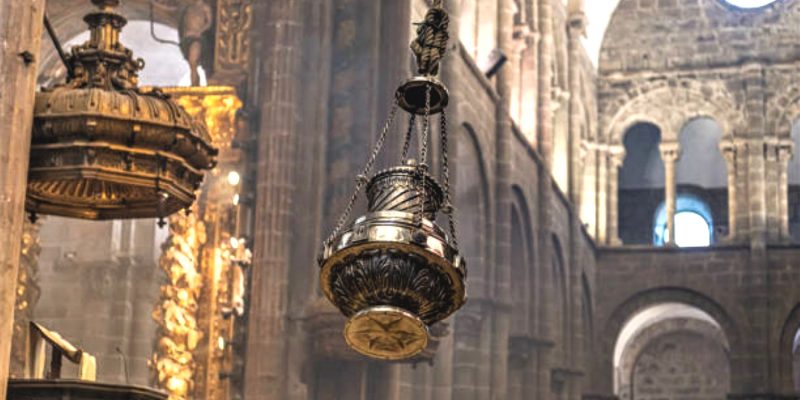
(431, 43)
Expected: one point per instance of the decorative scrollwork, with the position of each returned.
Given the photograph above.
(176, 312)
(387, 276)
(232, 44)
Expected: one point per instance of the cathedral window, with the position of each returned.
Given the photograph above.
(749, 3)
(694, 225)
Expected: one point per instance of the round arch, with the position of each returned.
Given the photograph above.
(523, 279)
(473, 206)
(697, 328)
(560, 330)
(786, 370)
(670, 108)
(64, 14)
(622, 313)
(784, 111)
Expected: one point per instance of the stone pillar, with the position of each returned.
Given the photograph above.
(785, 152)
(282, 27)
(20, 37)
(751, 137)
(504, 130)
(502, 319)
(756, 191)
(729, 152)
(528, 84)
(601, 153)
(670, 153)
(616, 156)
(514, 65)
(545, 108)
(772, 189)
(576, 29)
(588, 198)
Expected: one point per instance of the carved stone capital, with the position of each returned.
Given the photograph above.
(670, 151)
(785, 150)
(616, 155)
(576, 24)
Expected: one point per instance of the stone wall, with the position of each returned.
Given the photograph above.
(668, 63)
(750, 295)
(681, 365)
(717, 66)
(99, 283)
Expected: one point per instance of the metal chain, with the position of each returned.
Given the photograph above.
(412, 125)
(363, 178)
(422, 166)
(449, 208)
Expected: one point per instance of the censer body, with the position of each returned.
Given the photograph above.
(394, 271)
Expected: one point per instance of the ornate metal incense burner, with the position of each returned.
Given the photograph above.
(103, 148)
(394, 272)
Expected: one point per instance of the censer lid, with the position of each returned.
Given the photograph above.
(102, 148)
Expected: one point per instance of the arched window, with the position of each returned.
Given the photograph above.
(796, 360)
(478, 29)
(694, 225)
(749, 3)
(794, 185)
(166, 66)
(702, 180)
(641, 183)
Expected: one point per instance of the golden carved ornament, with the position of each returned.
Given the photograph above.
(216, 106)
(103, 148)
(232, 41)
(217, 262)
(176, 313)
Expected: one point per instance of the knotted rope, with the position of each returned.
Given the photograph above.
(431, 43)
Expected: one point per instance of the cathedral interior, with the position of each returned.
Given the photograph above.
(625, 199)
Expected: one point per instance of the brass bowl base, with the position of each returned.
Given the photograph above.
(386, 333)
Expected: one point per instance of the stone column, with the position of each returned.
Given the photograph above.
(576, 29)
(20, 37)
(785, 152)
(670, 153)
(502, 319)
(772, 190)
(742, 169)
(282, 27)
(528, 84)
(751, 138)
(588, 199)
(601, 153)
(545, 108)
(616, 156)
(729, 152)
(756, 191)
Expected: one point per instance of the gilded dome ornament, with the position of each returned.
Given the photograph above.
(393, 271)
(102, 147)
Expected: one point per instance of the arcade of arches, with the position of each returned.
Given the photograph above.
(627, 191)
